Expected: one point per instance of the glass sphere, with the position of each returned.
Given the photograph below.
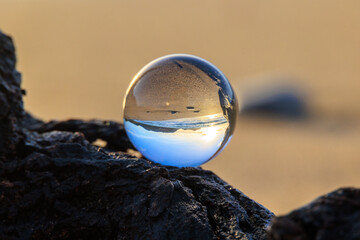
(180, 110)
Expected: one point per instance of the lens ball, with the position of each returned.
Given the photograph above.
(180, 110)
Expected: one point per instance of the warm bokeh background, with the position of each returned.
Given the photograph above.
(78, 56)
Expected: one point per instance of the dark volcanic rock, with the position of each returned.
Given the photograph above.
(56, 185)
(11, 105)
(109, 131)
(334, 216)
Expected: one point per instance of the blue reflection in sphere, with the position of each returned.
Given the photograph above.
(180, 110)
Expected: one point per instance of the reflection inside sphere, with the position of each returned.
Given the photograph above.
(180, 110)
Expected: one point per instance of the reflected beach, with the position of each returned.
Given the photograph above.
(184, 141)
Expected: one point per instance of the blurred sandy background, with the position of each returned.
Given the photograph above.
(78, 57)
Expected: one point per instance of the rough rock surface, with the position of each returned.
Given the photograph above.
(57, 185)
(11, 105)
(334, 216)
(109, 131)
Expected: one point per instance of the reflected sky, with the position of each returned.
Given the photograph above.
(179, 142)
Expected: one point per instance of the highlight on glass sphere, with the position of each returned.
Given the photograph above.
(180, 110)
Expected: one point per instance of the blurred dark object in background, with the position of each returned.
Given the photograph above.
(280, 98)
